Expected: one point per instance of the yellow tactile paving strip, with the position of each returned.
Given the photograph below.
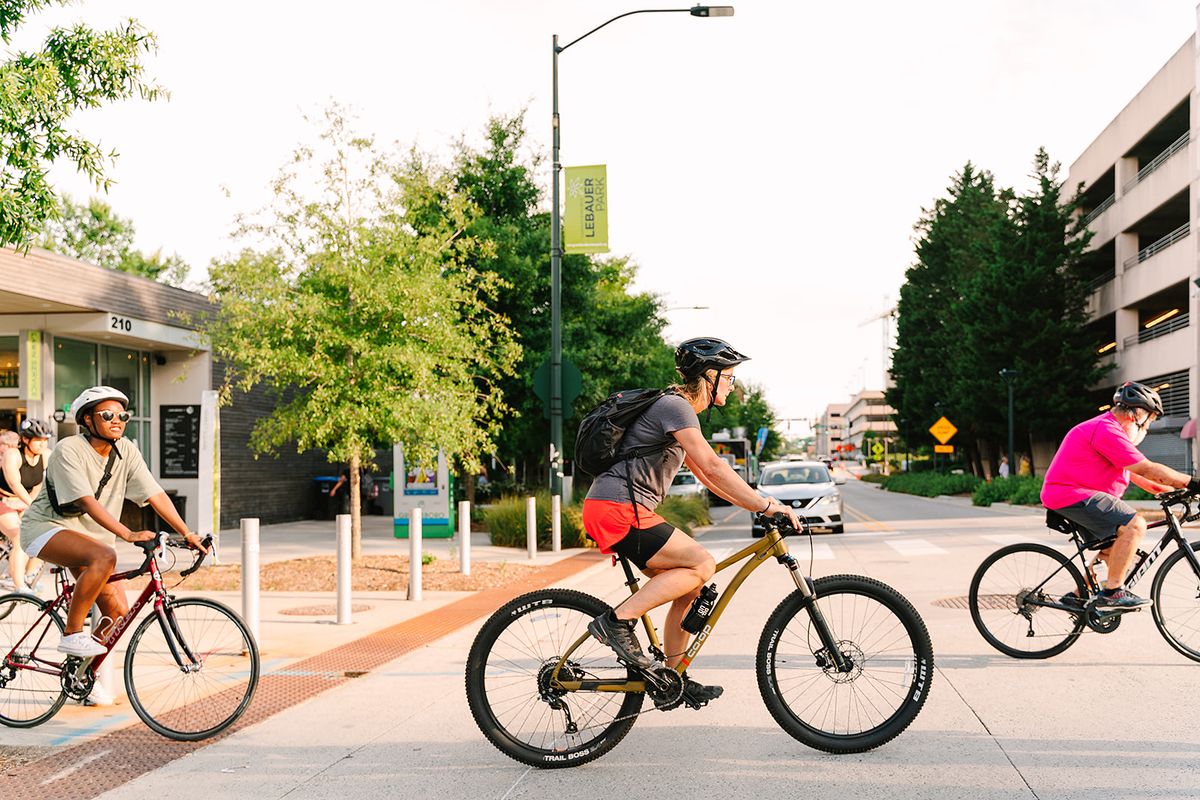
(93, 767)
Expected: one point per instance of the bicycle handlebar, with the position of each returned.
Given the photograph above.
(165, 539)
(780, 520)
(1180, 497)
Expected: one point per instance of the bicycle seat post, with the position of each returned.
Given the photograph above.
(630, 579)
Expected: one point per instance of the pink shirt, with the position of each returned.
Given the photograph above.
(1093, 457)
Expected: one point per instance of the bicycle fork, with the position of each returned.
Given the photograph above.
(170, 630)
(829, 645)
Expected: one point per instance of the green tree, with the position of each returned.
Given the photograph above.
(370, 325)
(96, 234)
(76, 68)
(746, 408)
(611, 333)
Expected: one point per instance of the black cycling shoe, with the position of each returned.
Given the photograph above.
(1071, 600)
(1121, 598)
(697, 694)
(618, 634)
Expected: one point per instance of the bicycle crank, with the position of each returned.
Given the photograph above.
(77, 680)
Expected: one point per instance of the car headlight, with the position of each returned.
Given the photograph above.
(828, 500)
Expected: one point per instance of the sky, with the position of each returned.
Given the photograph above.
(768, 167)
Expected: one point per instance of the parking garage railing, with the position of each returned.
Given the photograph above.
(1158, 246)
(1179, 144)
(1105, 204)
(1176, 323)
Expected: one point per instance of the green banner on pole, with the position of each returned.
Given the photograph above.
(585, 218)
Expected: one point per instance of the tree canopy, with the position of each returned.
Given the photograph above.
(76, 68)
(997, 284)
(93, 232)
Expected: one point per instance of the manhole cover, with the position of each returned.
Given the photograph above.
(987, 602)
(321, 611)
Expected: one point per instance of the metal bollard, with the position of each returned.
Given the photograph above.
(250, 574)
(556, 523)
(414, 554)
(531, 526)
(464, 537)
(343, 569)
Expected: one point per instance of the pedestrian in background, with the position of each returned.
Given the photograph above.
(1003, 466)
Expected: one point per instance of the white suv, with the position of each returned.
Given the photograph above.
(808, 488)
(687, 485)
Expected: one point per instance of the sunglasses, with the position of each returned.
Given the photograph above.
(108, 416)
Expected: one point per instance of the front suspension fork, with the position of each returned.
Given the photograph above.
(806, 587)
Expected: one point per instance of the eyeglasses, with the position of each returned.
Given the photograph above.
(731, 378)
(108, 416)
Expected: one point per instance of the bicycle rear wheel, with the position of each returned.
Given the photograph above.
(191, 672)
(885, 645)
(1176, 609)
(507, 680)
(30, 665)
(1005, 593)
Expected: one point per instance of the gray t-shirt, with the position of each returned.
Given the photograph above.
(74, 470)
(653, 474)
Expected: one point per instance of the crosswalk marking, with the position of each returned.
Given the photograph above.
(820, 551)
(915, 547)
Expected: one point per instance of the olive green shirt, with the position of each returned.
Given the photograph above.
(74, 471)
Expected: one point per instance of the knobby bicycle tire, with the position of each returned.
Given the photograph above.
(999, 600)
(29, 698)
(1176, 609)
(201, 702)
(507, 682)
(883, 638)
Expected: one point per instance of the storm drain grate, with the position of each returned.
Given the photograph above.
(93, 767)
(987, 602)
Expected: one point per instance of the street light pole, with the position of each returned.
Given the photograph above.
(556, 395)
(1010, 377)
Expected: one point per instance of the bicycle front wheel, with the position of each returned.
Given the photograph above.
(508, 682)
(1176, 595)
(888, 665)
(1005, 596)
(30, 665)
(191, 671)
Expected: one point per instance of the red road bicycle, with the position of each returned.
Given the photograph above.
(190, 670)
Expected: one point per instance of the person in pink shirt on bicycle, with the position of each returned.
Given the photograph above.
(1094, 466)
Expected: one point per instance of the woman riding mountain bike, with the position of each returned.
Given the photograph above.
(75, 521)
(675, 563)
(22, 470)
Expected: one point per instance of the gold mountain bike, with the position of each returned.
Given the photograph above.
(844, 665)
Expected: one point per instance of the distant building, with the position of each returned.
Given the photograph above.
(868, 411)
(1141, 201)
(830, 428)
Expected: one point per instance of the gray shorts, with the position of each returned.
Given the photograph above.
(1101, 514)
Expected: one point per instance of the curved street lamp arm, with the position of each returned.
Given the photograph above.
(626, 14)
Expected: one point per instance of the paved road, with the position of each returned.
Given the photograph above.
(1112, 717)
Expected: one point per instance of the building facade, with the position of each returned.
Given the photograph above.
(66, 325)
(868, 413)
(830, 429)
(1140, 202)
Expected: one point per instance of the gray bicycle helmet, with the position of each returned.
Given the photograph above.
(1132, 394)
(34, 429)
(697, 356)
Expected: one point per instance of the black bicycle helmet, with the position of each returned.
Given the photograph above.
(697, 356)
(1132, 394)
(34, 429)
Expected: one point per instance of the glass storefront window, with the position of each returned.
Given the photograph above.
(74, 370)
(10, 362)
(119, 369)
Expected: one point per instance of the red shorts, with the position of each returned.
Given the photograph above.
(607, 522)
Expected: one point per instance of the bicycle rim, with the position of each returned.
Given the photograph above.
(30, 682)
(886, 646)
(508, 682)
(1176, 594)
(1004, 598)
(205, 696)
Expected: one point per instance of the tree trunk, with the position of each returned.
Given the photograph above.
(355, 509)
(469, 489)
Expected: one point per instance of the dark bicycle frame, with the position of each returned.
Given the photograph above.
(1174, 533)
(154, 589)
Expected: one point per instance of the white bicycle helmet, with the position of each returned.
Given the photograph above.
(88, 399)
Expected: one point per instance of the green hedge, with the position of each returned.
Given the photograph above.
(685, 513)
(506, 523)
(930, 484)
(874, 477)
(1019, 490)
(1137, 493)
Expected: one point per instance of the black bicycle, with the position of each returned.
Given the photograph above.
(1030, 600)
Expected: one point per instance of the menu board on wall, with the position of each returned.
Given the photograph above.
(179, 437)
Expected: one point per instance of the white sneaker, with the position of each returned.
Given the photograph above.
(81, 644)
(100, 696)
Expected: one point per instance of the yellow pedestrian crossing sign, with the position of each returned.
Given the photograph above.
(877, 449)
(943, 430)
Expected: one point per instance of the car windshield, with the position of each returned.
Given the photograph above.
(783, 475)
(684, 479)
